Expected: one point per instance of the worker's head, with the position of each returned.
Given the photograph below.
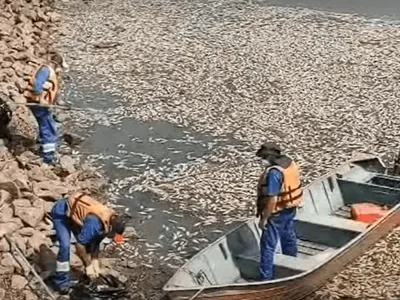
(269, 152)
(117, 227)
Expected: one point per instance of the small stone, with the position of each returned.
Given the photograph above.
(122, 278)
(18, 282)
(130, 232)
(30, 296)
(67, 163)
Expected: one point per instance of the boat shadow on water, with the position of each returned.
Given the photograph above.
(329, 237)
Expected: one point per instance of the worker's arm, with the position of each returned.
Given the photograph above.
(272, 190)
(41, 77)
(91, 232)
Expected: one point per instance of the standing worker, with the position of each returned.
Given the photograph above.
(279, 194)
(42, 89)
(91, 222)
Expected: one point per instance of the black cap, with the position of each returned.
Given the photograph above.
(267, 149)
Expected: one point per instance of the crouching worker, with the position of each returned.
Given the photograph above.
(90, 222)
(42, 89)
(278, 196)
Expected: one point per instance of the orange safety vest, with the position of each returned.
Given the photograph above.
(81, 205)
(50, 91)
(291, 194)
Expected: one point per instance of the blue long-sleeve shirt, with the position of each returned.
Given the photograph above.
(274, 182)
(91, 232)
(41, 77)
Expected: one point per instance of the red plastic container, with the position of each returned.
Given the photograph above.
(367, 212)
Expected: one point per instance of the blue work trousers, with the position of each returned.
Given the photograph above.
(48, 134)
(280, 227)
(62, 227)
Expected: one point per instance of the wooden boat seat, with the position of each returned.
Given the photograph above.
(334, 222)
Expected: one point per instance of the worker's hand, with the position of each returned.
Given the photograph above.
(262, 223)
(91, 271)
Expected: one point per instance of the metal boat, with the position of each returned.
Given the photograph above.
(328, 239)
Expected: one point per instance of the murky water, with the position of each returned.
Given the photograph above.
(128, 148)
(383, 9)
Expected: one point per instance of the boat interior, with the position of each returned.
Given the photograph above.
(324, 225)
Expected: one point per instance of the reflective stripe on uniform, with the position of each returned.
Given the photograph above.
(49, 148)
(62, 266)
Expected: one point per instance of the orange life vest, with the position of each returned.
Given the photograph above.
(291, 194)
(81, 205)
(50, 88)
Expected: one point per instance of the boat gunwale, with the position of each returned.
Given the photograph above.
(340, 251)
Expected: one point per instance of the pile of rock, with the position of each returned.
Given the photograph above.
(28, 190)
(26, 30)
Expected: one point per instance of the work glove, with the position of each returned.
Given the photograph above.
(91, 271)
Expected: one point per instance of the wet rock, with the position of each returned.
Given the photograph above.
(130, 232)
(18, 282)
(73, 139)
(30, 296)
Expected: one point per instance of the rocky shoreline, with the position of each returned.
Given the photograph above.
(29, 188)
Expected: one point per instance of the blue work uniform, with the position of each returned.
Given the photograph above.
(280, 227)
(90, 235)
(48, 134)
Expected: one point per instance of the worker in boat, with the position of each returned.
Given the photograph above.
(279, 194)
(42, 89)
(90, 222)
